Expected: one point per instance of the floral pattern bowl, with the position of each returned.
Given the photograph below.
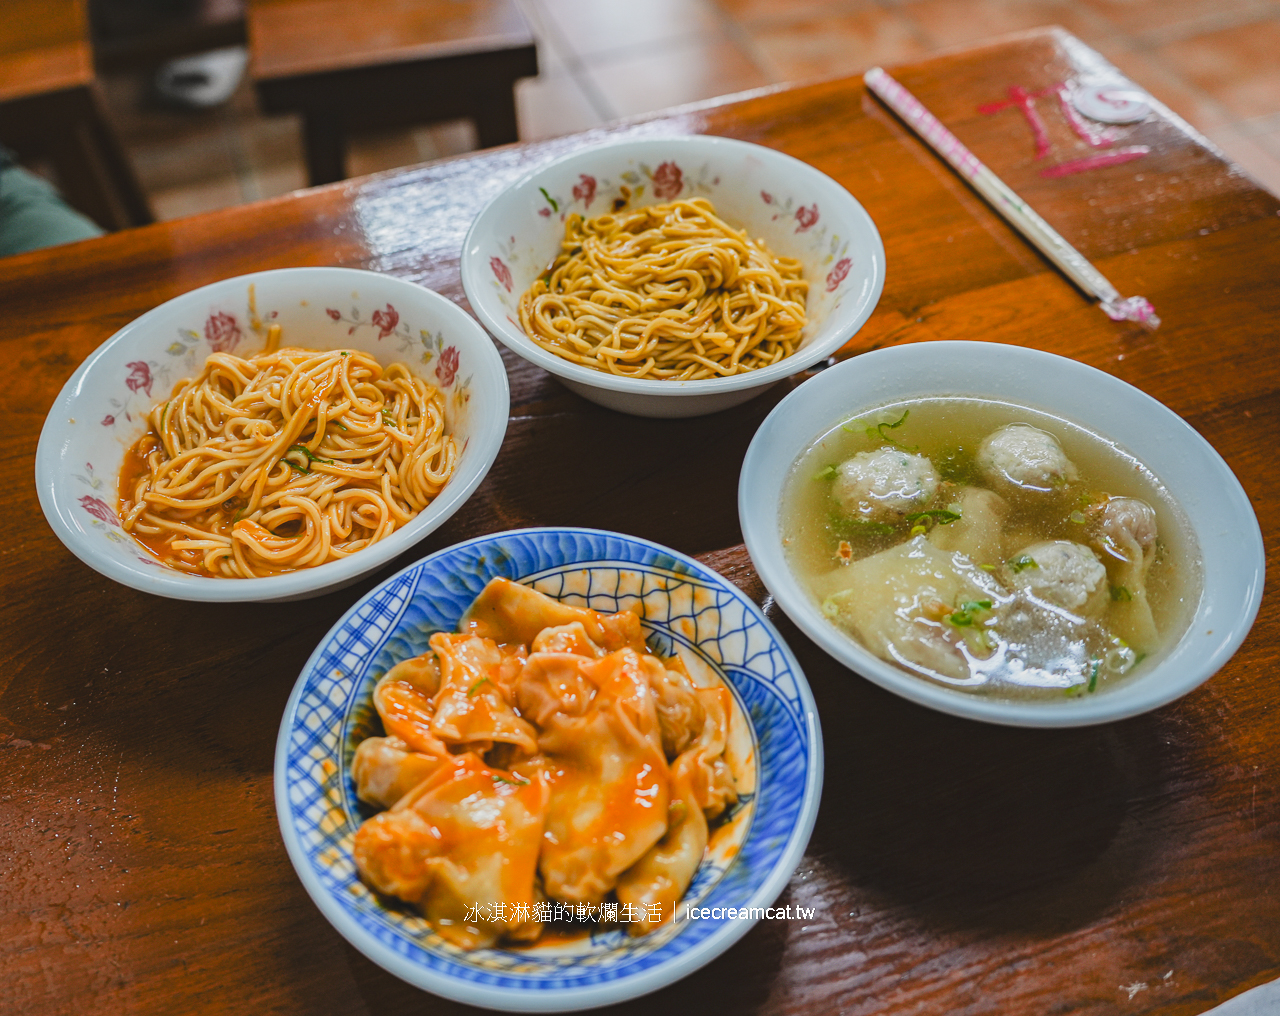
(775, 753)
(797, 210)
(102, 409)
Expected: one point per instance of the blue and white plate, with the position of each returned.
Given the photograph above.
(686, 607)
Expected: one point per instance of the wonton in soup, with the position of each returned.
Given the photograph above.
(990, 547)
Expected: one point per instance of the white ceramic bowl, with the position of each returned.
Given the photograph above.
(685, 607)
(1221, 519)
(797, 210)
(102, 409)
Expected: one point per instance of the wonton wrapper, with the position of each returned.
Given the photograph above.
(471, 709)
(894, 601)
(701, 788)
(506, 611)
(463, 845)
(977, 532)
(384, 769)
(609, 782)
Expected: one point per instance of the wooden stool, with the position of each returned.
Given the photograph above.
(374, 64)
(50, 108)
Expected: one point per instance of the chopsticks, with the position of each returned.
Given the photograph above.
(1074, 265)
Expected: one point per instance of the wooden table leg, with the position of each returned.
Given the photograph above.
(325, 142)
(71, 129)
(495, 116)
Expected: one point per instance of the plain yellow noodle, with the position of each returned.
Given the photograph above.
(666, 292)
(366, 452)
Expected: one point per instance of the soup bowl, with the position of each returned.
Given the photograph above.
(686, 608)
(1221, 521)
(797, 210)
(102, 409)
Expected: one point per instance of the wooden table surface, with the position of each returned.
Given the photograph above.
(955, 867)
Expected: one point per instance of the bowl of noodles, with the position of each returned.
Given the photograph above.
(674, 277)
(272, 436)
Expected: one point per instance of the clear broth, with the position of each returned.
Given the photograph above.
(948, 431)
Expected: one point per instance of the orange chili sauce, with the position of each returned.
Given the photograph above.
(133, 469)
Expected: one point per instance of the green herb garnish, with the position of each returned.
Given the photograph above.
(963, 617)
(880, 427)
(1093, 676)
(843, 527)
(300, 458)
(476, 687)
(511, 783)
(987, 567)
(1120, 595)
(1022, 562)
(940, 516)
(550, 200)
(878, 430)
(1077, 517)
(828, 473)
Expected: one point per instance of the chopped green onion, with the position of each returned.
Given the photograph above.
(1022, 562)
(511, 783)
(987, 567)
(550, 200)
(300, 458)
(1121, 595)
(976, 605)
(476, 687)
(829, 473)
(1077, 517)
(879, 428)
(961, 619)
(917, 530)
(1093, 677)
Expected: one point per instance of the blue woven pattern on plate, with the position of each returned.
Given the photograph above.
(679, 601)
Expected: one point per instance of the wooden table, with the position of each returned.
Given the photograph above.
(376, 64)
(955, 867)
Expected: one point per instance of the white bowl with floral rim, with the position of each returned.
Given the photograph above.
(1223, 539)
(101, 411)
(797, 210)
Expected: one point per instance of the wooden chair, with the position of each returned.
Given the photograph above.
(51, 109)
(388, 63)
